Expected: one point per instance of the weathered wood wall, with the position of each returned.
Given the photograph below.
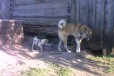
(98, 14)
(40, 13)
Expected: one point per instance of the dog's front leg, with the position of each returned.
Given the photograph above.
(78, 45)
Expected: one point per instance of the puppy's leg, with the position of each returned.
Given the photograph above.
(40, 47)
(37, 47)
(65, 45)
(32, 46)
(78, 45)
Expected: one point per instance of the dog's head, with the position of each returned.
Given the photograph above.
(62, 24)
(89, 35)
(86, 33)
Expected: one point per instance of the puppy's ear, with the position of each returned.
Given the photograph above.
(46, 40)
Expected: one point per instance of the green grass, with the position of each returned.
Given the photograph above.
(111, 68)
(35, 72)
(61, 71)
(54, 69)
(107, 61)
(65, 72)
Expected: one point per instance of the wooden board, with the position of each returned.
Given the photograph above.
(57, 12)
(40, 29)
(96, 21)
(108, 27)
(41, 6)
(27, 2)
(40, 21)
(5, 9)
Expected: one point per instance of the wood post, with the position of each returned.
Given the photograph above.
(11, 32)
(5, 9)
(108, 27)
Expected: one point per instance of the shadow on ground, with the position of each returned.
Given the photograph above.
(73, 60)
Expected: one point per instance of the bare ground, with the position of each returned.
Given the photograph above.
(24, 59)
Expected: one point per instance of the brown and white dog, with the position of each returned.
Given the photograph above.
(39, 43)
(79, 31)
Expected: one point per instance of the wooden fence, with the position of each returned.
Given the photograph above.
(43, 16)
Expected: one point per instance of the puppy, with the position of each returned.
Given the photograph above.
(79, 31)
(39, 43)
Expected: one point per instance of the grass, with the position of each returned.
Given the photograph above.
(61, 71)
(107, 61)
(65, 72)
(35, 72)
(56, 69)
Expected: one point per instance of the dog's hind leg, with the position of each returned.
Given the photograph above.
(59, 45)
(65, 45)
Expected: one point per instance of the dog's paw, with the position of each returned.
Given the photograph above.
(60, 50)
(69, 51)
(78, 51)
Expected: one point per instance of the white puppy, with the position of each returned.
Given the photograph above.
(39, 43)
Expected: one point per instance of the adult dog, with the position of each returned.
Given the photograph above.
(79, 31)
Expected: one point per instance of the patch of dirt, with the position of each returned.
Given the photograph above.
(25, 58)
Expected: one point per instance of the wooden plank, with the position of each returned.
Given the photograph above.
(98, 24)
(108, 27)
(40, 21)
(91, 22)
(41, 29)
(100, 7)
(73, 15)
(78, 10)
(83, 16)
(27, 2)
(91, 12)
(113, 39)
(59, 12)
(4, 9)
(41, 6)
(0, 11)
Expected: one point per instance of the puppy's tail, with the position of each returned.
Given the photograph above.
(62, 24)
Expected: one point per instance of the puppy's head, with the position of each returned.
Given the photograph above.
(35, 39)
(46, 41)
(62, 24)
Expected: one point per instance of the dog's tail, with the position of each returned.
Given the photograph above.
(62, 24)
